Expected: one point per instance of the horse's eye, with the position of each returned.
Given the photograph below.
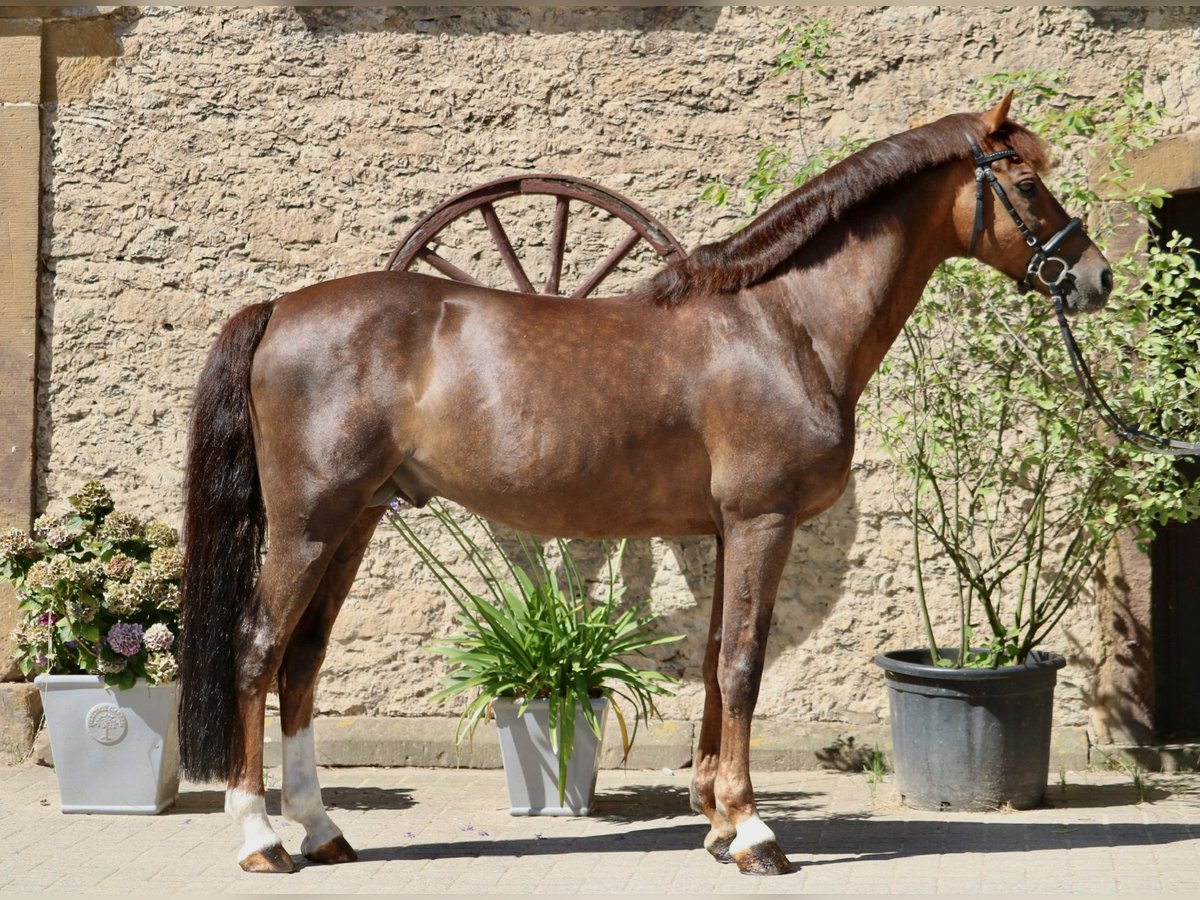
(1027, 187)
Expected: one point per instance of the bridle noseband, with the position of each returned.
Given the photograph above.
(1042, 251)
(1057, 285)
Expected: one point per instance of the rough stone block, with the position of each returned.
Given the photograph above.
(20, 717)
(778, 746)
(20, 61)
(1068, 750)
(429, 741)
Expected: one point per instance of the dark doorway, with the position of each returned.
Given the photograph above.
(1175, 568)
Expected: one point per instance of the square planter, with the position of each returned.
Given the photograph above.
(115, 751)
(531, 767)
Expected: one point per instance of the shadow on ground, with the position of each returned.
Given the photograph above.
(639, 802)
(842, 839)
(191, 802)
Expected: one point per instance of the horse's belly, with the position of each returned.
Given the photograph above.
(578, 490)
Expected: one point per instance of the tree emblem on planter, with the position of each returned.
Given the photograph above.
(106, 723)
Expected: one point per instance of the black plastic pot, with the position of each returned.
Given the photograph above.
(970, 739)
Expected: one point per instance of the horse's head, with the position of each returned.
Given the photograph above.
(1007, 218)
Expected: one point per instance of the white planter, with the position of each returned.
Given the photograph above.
(531, 767)
(115, 751)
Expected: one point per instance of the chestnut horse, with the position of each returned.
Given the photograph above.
(718, 399)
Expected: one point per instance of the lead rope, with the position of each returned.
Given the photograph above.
(1087, 384)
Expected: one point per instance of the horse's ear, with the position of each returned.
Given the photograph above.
(995, 116)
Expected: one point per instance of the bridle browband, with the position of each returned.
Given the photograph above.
(1042, 257)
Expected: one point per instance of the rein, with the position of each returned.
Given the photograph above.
(1057, 284)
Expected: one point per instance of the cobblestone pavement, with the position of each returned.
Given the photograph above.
(448, 831)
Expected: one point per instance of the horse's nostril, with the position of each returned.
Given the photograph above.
(1106, 281)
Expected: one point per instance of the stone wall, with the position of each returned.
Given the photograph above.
(195, 161)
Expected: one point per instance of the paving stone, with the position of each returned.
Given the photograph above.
(451, 833)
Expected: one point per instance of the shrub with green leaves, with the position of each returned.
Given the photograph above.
(98, 591)
(1008, 472)
(538, 636)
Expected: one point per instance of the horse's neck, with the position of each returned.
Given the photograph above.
(853, 293)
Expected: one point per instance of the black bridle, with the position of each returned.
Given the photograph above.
(1043, 252)
(1056, 283)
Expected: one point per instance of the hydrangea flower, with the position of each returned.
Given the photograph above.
(160, 534)
(125, 638)
(16, 544)
(168, 599)
(158, 637)
(162, 666)
(80, 612)
(121, 526)
(43, 523)
(166, 564)
(90, 575)
(68, 566)
(40, 576)
(62, 536)
(146, 587)
(120, 567)
(92, 500)
(120, 599)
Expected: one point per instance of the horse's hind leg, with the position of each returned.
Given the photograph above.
(300, 550)
(708, 749)
(323, 841)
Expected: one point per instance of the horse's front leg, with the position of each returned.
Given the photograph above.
(756, 550)
(708, 748)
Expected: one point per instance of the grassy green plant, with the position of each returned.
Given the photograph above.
(538, 636)
(1139, 779)
(876, 769)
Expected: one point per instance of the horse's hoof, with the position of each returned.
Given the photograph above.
(337, 850)
(273, 860)
(762, 859)
(719, 848)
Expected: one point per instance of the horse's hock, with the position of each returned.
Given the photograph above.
(195, 161)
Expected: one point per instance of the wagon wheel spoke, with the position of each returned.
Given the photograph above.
(447, 268)
(558, 244)
(605, 268)
(504, 245)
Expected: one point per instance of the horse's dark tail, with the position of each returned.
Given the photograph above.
(223, 530)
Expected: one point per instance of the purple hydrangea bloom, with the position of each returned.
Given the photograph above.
(125, 638)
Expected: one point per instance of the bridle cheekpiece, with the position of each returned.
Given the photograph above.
(1043, 252)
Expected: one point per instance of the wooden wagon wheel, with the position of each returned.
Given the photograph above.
(565, 190)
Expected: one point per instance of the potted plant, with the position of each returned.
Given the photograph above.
(545, 659)
(1013, 493)
(98, 590)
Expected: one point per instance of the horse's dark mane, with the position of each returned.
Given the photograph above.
(748, 257)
